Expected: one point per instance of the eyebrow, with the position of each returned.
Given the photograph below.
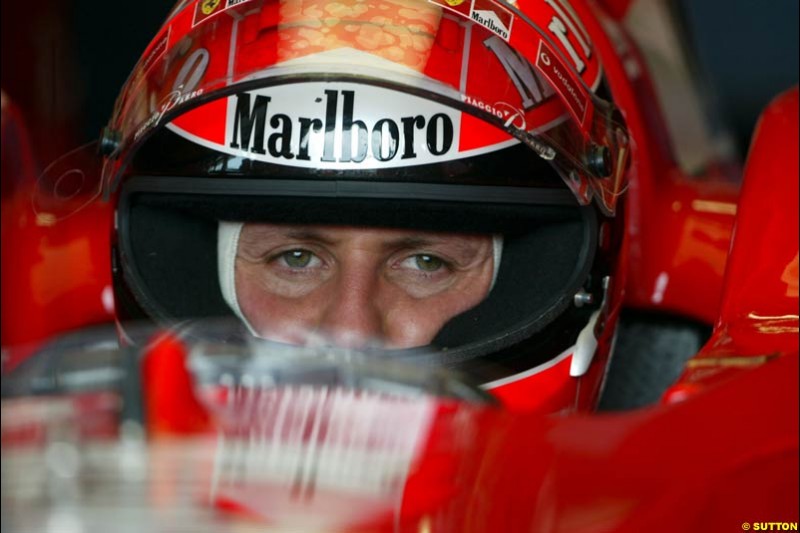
(305, 234)
(408, 242)
(390, 244)
(403, 242)
(460, 248)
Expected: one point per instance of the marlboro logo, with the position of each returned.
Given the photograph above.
(487, 13)
(340, 126)
(492, 17)
(336, 126)
(364, 443)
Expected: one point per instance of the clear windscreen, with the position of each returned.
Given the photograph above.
(198, 426)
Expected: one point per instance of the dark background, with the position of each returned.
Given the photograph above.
(748, 52)
(64, 61)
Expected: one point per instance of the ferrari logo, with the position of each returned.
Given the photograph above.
(208, 6)
(205, 9)
(460, 6)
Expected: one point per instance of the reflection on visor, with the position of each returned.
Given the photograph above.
(68, 184)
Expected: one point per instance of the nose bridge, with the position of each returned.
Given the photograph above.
(352, 317)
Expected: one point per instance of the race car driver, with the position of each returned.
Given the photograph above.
(388, 175)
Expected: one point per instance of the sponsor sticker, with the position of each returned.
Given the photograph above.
(493, 17)
(560, 77)
(166, 104)
(311, 439)
(462, 7)
(342, 126)
(205, 9)
(486, 13)
(337, 126)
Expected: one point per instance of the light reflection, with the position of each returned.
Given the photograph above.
(63, 459)
(45, 220)
(65, 520)
(133, 452)
(735, 361)
(660, 288)
(775, 324)
(425, 525)
(755, 316)
(790, 277)
(710, 206)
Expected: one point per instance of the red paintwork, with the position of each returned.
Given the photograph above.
(171, 407)
(682, 246)
(759, 314)
(543, 392)
(677, 468)
(680, 467)
(53, 275)
(761, 292)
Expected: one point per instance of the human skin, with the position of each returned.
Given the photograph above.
(357, 287)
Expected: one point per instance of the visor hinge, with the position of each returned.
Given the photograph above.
(598, 160)
(583, 298)
(109, 142)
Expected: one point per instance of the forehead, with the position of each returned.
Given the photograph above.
(259, 232)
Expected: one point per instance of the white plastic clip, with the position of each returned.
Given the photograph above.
(585, 348)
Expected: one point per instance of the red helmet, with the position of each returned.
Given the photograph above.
(459, 116)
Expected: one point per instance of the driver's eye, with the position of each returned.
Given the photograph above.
(428, 263)
(297, 258)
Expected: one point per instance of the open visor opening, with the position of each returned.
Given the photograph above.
(168, 245)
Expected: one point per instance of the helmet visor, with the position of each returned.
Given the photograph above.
(505, 79)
